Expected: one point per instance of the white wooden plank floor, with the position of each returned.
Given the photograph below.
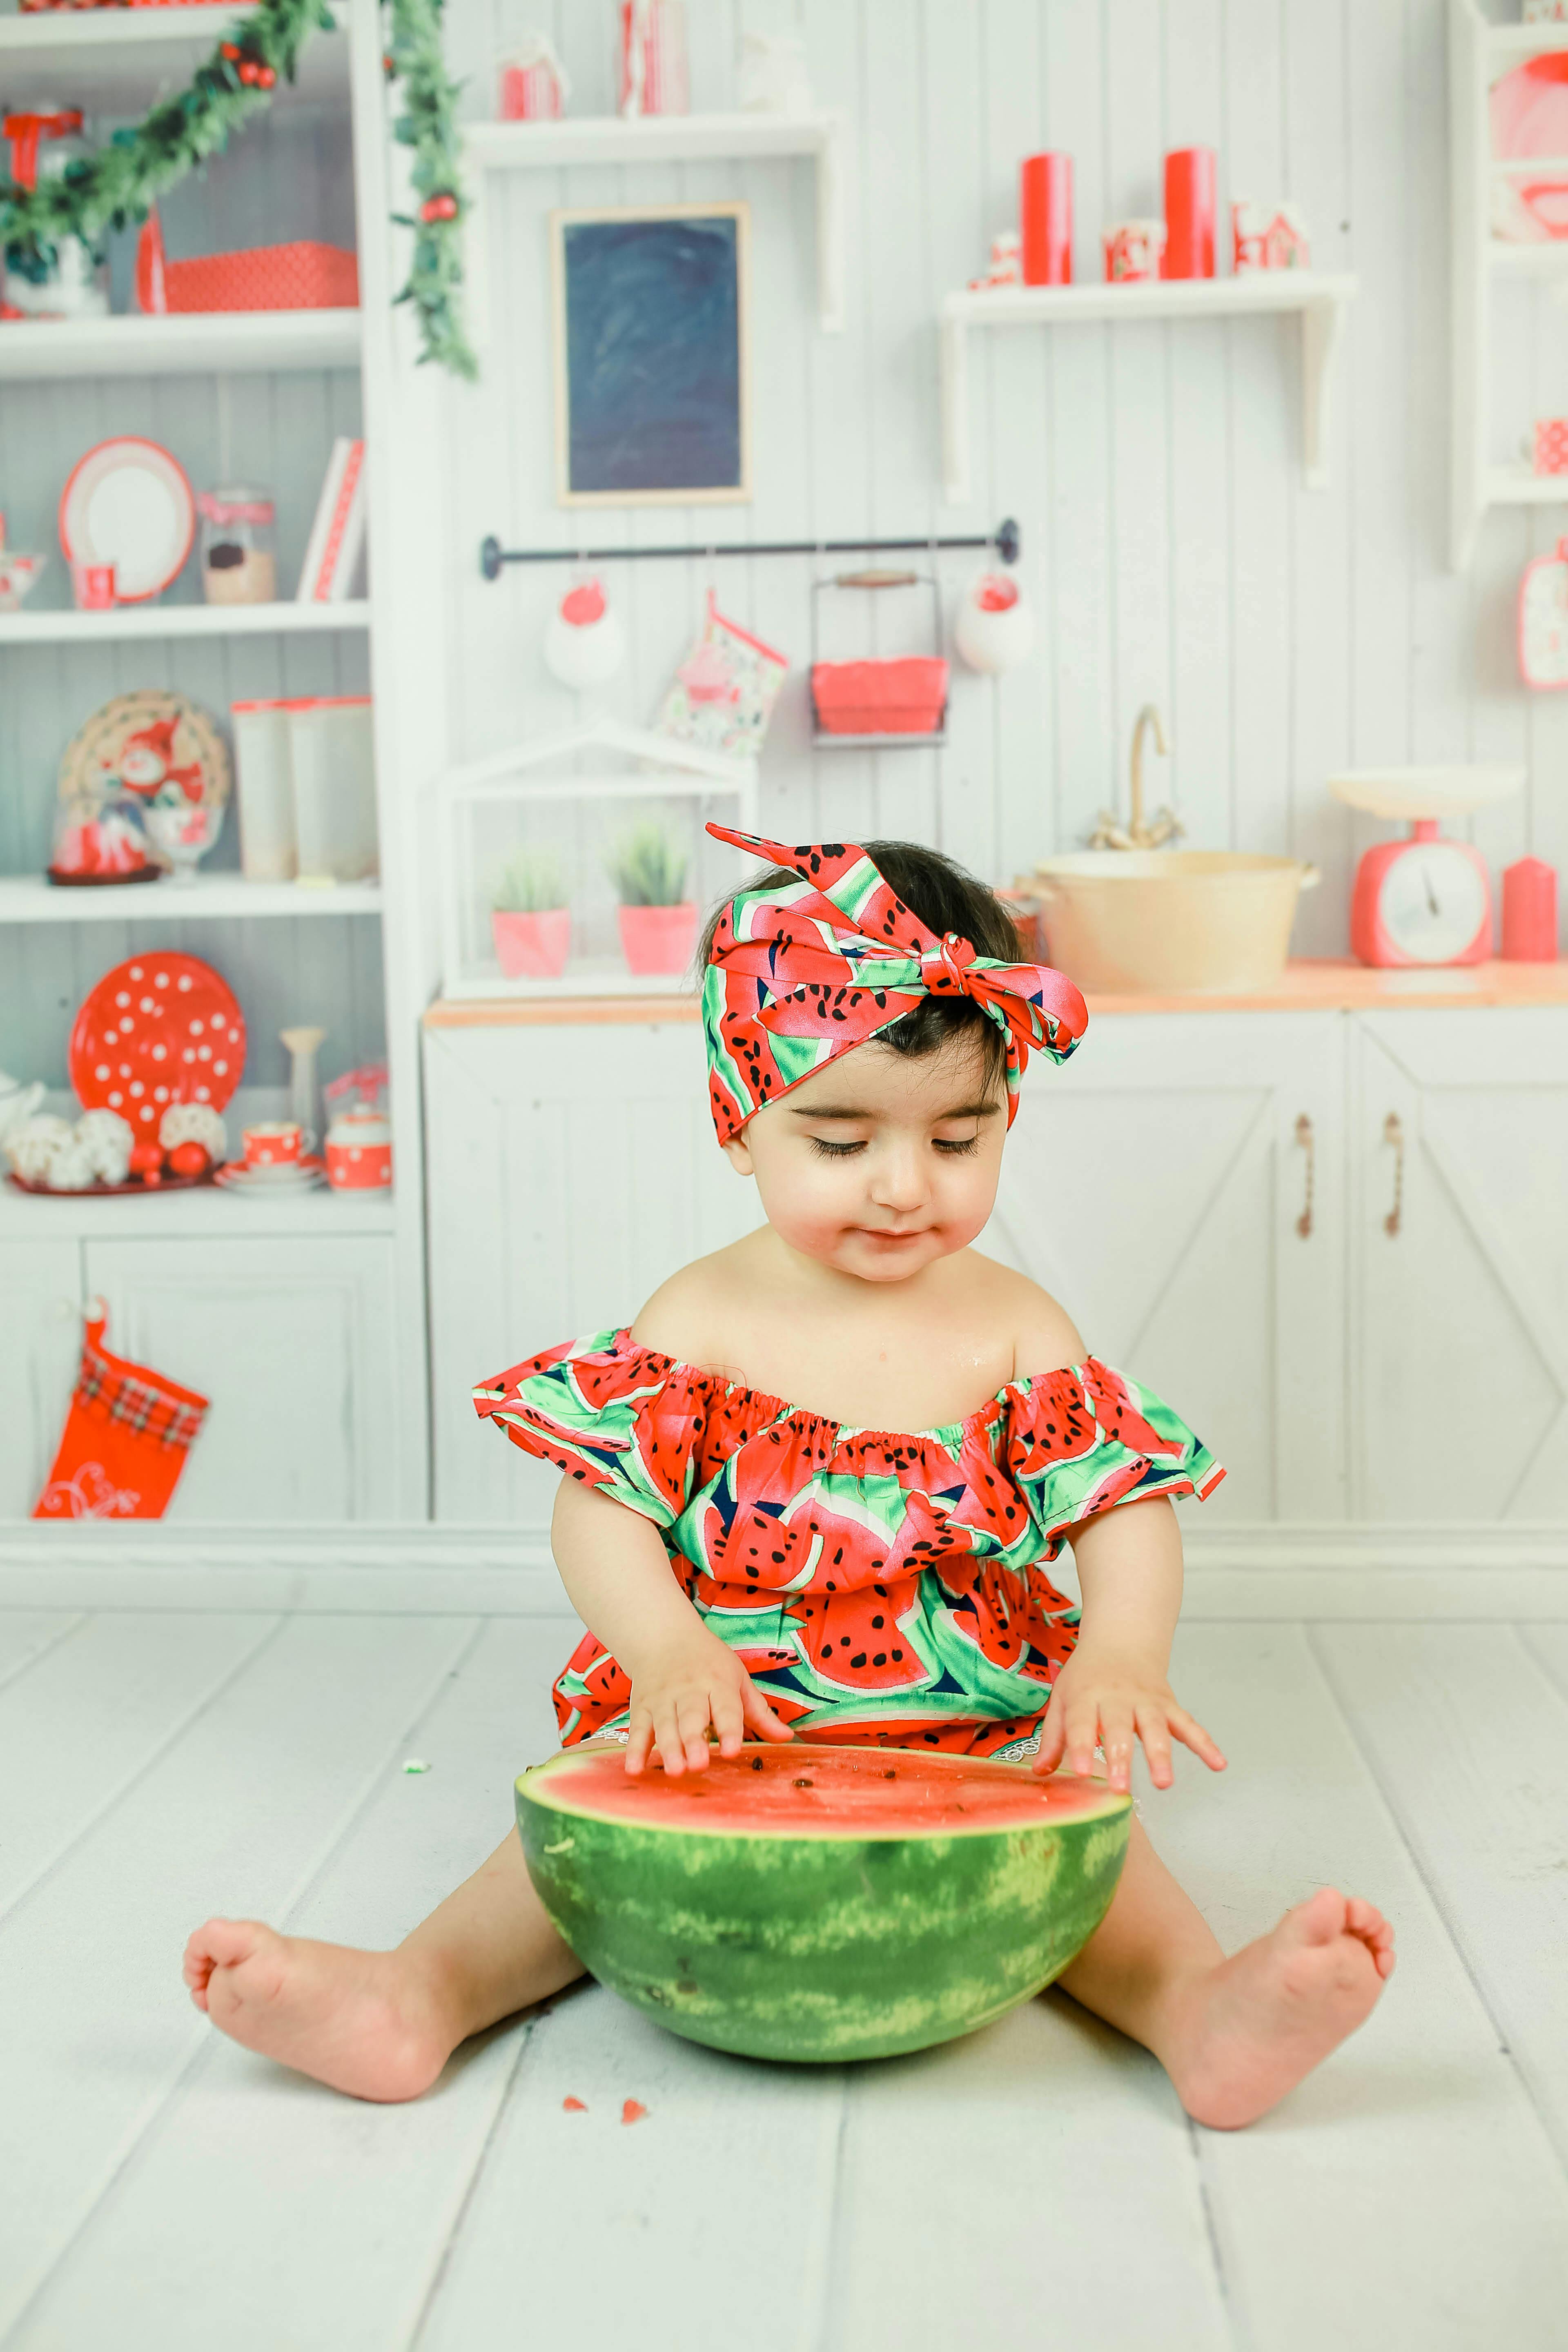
(1034, 2184)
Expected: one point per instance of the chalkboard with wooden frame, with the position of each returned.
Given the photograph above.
(651, 320)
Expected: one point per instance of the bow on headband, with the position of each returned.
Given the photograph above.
(801, 972)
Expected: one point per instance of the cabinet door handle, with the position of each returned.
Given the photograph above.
(1305, 1140)
(1394, 1133)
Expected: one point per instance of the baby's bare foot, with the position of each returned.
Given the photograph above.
(352, 2018)
(1252, 2028)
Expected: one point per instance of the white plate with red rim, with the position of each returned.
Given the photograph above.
(128, 502)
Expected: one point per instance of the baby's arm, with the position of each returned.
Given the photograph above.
(617, 1576)
(1114, 1688)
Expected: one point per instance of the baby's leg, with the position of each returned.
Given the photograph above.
(383, 2024)
(1235, 2034)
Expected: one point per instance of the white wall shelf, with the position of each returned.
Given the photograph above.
(116, 61)
(188, 342)
(670, 139)
(1321, 299)
(212, 897)
(1479, 53)
(282, 619)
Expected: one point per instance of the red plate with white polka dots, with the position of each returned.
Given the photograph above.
(158, 1029)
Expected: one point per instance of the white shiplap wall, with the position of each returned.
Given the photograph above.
(1172, 551)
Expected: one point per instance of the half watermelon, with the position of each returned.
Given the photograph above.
(819, 1903)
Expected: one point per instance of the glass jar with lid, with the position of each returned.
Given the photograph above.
(239, 560)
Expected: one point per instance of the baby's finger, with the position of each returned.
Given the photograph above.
(1053, 1738)
(729, 1717)
(1191, 1734)
(666, 1738)
(639, 1739)
(1116, 1733)
(1156, 1739)
(1083, 1731)
(692, 1712)
(761, 1715)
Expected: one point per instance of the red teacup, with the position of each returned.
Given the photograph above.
(275, 1143)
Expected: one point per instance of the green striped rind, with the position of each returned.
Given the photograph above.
(824, 1947)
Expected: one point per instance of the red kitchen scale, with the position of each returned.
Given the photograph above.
(1423, 901)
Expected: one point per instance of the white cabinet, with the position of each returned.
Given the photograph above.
(571, 1169)
(1157, 1185)
(1153, 1185)
(292, 1342)
(40, 1290)
(1459, 1310)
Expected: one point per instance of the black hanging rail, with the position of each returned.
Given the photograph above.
(1004, 539)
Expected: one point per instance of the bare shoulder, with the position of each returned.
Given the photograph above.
(1043, 1334)
(689, 1316)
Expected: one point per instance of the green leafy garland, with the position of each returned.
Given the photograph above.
(118, 186)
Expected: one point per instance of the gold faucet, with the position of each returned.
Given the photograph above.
(1108, 834)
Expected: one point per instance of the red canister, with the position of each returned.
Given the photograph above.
(1045, 217)
(1530, 912)
(1190, 177)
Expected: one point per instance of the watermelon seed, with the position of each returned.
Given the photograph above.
(804, 1784)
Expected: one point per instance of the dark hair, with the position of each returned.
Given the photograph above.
(945, 898)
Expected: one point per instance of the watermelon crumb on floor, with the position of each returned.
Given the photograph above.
(632, 2111)
(574, 2107)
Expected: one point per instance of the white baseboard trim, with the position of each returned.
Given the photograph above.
(1325, 1571)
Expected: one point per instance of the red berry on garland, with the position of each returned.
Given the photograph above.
(438, 209)
(229, 51)
(189, 1160)
(266, 77)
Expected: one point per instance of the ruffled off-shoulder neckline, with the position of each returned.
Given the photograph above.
(774, 1409)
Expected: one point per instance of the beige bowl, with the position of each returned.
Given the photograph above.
(1142, 921)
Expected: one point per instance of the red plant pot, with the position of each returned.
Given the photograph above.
(532, 947)
(658, 939)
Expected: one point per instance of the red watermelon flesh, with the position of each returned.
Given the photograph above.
(808, 1790)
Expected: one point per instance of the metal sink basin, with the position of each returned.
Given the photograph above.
(1151, 921)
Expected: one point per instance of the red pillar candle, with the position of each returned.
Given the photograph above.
(1189, 213)
(1045, 217)
(1530, 912)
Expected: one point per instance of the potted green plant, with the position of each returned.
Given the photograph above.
(530, 921)
(658, 922)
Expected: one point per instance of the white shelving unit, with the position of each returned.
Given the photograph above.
(667, 139)
(338, 1276)
(1321, 300)
(1479, 54)
(209, 897)
(140, 621)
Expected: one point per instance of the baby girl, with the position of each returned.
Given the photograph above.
(866, 1564)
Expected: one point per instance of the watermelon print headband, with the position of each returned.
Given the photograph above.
(799, 973)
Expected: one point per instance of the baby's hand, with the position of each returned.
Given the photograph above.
(1113, 1697)
(679, 1689)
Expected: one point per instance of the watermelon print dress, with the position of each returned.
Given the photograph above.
(877, 1588)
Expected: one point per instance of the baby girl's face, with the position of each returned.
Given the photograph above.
(880, 1164)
